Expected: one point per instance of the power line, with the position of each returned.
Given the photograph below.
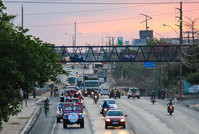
(99, 3)
(83, 11)
(97, 21)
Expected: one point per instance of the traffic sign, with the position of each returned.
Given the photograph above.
(149, 64)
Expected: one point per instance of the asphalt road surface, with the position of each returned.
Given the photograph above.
(142, 118)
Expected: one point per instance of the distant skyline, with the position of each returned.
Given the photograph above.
(51, 22)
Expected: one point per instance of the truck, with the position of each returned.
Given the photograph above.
(90, 83)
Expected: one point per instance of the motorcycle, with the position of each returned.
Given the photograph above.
(153, 99)
(105, 110)
(170, 109)
(95, 99)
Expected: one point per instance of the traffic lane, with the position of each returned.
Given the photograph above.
(74, 129)
(142, 121)
(183, 120)
(44, 125)
(98, 120)
(179, 122)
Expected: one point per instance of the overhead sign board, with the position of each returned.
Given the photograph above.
(149, 64)
(120, 41)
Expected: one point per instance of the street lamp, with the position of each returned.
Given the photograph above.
(171, 28)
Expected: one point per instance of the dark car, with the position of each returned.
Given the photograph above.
(111, 94)
(73, 114)
(115, 118)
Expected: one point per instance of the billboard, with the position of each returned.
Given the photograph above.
(120, 41)
(190, 89)
(127, 42)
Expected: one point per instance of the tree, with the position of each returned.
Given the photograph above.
(24, 60)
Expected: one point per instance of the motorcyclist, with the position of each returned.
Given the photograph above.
(153, 94)
(105, 105)
(96, 94)
(114, 90)
(170, 104)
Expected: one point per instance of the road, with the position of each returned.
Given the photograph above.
(142, 118)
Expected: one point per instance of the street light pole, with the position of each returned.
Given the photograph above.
(171, 28)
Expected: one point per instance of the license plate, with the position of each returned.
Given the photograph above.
(115, 122)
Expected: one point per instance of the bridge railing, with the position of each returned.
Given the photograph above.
(155, 53)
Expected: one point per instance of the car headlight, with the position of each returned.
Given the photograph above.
(108, 120)
(58, 112)
(122, 120)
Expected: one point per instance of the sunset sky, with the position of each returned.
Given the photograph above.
(50, 22)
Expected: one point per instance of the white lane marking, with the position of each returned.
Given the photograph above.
(54, 127)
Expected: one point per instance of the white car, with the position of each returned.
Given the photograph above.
(111, 102)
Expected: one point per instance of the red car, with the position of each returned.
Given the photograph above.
(115, 118)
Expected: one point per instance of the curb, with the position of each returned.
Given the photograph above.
(33, 118)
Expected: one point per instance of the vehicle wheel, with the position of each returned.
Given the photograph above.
(109, 96)
(58, 119)
(138, 97)
(82, 124)
(106, 126)
(153, 102)
(170, 113)
(124, 127)
(119, 97)
(64, 124)
(128, 97)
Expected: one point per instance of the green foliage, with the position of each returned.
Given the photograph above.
(24, 59)
(193, 78)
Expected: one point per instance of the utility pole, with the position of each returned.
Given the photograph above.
(181, 43)
(146, 21)
(22, 26)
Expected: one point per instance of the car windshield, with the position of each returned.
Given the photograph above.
(91, 84)
(110, 101)
(105, 89)
(115, 113)
(134, 90)
(72, 108)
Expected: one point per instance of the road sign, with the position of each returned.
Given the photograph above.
(149, 64)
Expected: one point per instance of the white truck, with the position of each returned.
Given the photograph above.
(90, 84)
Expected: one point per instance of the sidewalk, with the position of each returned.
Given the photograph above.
(16, 123)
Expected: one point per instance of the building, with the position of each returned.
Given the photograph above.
(146, 34)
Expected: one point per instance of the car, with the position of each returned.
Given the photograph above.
(133, 92)
(111, 93)
(115, 118)
(105, 92)
(111, 102)
(73, 114)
